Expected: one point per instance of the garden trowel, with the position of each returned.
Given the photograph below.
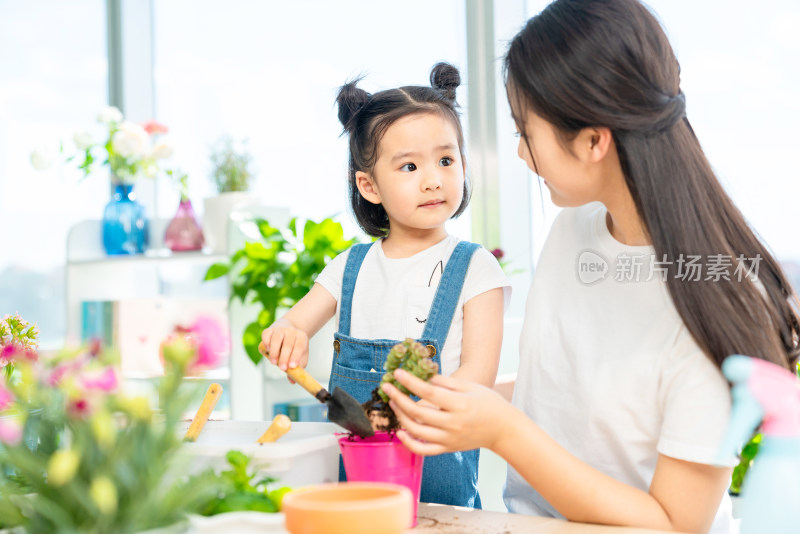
(343, 409)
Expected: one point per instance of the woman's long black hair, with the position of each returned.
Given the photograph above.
(608, 63)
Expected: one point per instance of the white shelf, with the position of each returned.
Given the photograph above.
(171, 280)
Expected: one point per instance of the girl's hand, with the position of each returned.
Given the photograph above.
(457, 415)
(286, 345)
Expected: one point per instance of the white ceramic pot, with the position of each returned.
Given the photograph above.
(216, 212)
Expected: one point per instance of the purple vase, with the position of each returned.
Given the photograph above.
(183, 232)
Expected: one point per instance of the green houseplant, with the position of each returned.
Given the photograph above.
(231, 174)
(230, 165)
(279, 270)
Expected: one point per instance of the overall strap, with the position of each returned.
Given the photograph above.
(354, 259)
(447, 294)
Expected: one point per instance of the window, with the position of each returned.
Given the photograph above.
(52, 84)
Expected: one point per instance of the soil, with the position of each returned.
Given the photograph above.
(380, 414)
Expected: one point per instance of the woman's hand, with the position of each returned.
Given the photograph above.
(456, 416)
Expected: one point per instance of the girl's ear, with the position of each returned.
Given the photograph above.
(594, 143)
(366, 186)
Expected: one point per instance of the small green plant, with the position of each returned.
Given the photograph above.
(230, 166)
(239, 491)
(411, 356)
(279, 270)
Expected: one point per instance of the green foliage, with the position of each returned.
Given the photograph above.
(240, 492)
(231, 166)
(746, 457)
(279, 270)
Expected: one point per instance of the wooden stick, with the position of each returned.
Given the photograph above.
(280, 426)
(203, 412)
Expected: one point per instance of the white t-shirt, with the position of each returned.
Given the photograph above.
(607, 366)
(393, 296)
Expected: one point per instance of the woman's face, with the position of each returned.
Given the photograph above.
(566, 175)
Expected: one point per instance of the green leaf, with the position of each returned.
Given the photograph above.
(251, 338)
(217, 270)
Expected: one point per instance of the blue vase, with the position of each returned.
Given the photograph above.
(124, 223)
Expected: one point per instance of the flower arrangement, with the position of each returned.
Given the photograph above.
(17, 338)
(130, 150)
(230, 166)
(79, 454)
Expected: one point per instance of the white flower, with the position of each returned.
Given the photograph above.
(162, 150)
(131, 140)
(82, 140)
(41, 158)
(151, 170)
(109, 115)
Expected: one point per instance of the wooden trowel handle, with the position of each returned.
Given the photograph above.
(203, 412)
(280, 426)
(299, 375)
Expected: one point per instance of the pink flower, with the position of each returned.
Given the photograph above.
(10, 431)
(153, 127)
(498, 253)
(104, 380)
(6, 397)
(211, 341)
(79, 408)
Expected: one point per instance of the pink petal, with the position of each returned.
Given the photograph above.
(105, 381)
(10, 431)
(211, 341)
(6, 398)
(152, 127)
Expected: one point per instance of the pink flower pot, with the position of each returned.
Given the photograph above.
(382, 458)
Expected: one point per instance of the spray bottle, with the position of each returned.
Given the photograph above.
(768, 394)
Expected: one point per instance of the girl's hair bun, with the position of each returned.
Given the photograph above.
(350, 100)
(445, 78)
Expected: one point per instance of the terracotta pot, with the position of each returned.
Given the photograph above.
(348, 508)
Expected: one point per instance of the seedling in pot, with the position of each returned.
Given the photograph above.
(411, 356)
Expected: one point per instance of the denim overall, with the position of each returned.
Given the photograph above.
(450, 478)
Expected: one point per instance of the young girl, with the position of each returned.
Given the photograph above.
(406, 180)
(620, 405)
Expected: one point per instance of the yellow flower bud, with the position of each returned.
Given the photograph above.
(104, 494)
(62, 467)
(138, 407)
(104, 428)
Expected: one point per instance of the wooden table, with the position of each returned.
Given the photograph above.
(437, 518)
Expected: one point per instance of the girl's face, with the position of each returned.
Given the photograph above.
(568, 177)
(419, 174)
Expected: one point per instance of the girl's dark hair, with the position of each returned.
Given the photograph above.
(608, 63)
(366, 118)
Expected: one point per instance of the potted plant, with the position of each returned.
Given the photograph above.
(103, 460)
(279, 270)
(383, 457)
(231, 175)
